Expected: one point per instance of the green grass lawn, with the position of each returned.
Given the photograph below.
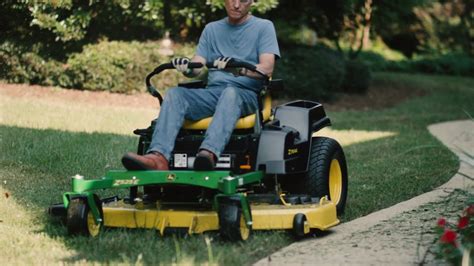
(36, 163)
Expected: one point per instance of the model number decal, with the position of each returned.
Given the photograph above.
(292, 151)
(125, 182)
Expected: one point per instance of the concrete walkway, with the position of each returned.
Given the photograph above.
(401, 234)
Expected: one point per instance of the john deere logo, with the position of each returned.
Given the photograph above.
(171, 177)
(292, 151)
(121, 182)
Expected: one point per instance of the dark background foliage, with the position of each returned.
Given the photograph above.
(327, 46)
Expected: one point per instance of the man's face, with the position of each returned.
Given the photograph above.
(237, 10)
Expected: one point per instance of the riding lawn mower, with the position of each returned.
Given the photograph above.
(275, 173)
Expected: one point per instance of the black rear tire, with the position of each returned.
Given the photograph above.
(326, 176)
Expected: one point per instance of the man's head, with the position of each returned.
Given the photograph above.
(237, 10)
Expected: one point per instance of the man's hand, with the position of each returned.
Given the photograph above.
(181, 64)
(221, 62)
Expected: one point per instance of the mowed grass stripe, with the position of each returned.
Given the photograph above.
(70, 116)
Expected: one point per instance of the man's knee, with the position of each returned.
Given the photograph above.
(175, 93)
(231, 95)
(176, 96)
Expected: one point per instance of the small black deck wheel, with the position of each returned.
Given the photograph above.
(80, 220)
(299, 223)
(232, 225)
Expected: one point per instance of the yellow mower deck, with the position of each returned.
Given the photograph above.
(320, 216)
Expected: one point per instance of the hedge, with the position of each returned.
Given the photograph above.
(106, 66)
(118, 66)
(312, 73)
(448, 64)
(357, 77)
(21, 65)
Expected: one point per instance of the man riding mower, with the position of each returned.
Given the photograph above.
(274, 173)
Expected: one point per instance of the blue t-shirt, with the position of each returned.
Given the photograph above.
(246, 41)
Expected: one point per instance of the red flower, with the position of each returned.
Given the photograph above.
(441, 222)
(463, 222)
(449, 236)
(470, 210)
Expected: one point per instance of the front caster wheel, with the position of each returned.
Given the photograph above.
(80, 220)
(232, 225)
(300, 226)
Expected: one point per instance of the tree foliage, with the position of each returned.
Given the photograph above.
(411, 26)
(448, 25)
(72, 21)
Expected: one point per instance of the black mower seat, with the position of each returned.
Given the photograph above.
(246, 122)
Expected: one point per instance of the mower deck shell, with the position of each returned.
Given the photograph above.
(320, 216)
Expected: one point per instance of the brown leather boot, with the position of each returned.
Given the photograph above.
(150, 161)
(205, 161)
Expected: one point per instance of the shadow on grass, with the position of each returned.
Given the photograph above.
(37, 166)
(40, 163)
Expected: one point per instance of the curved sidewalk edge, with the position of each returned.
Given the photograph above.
(392, 235)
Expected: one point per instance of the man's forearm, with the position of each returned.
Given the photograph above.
(251, 74)
(265, 65)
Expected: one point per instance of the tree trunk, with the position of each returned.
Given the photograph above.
(167, 14)
(368, 22)
(364, 41)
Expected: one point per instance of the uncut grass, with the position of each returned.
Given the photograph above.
(386, 171)
(36, 164)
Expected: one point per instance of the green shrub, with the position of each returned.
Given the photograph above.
(309, 72)
(373, 60)
(20, 65)
(312, 73)
(291, 34)
(119, 66)
(357, 78)
(106, 66)
(449, 64)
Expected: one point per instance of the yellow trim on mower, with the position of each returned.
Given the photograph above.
(243, 123)
(335, 181)
(320, 216)
(92, 226)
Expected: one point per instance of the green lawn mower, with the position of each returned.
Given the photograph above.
(274, 174)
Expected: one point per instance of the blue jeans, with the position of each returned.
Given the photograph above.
(225, 104)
